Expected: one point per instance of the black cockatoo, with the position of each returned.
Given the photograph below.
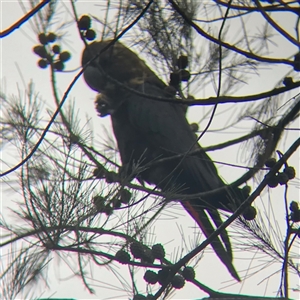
(147, 130)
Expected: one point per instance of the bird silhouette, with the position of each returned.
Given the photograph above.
(147, 131)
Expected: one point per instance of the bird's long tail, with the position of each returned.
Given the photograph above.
(201, 218)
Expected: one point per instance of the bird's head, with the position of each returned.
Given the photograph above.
(111, 66)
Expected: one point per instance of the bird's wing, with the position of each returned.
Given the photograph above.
(164, 125)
